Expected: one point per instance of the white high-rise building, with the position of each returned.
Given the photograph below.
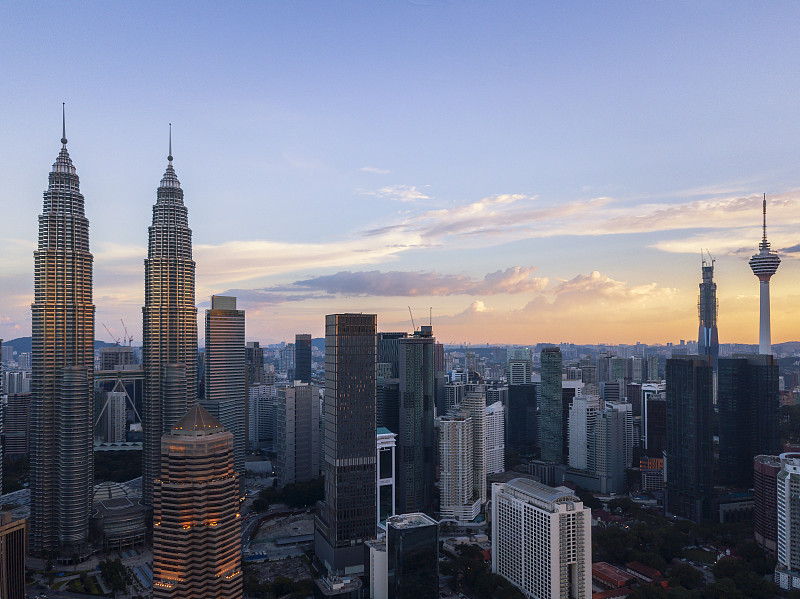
(458, 500)
(495, 438)
(787, 571)
(613, 446)
(542, 540)
(582, 420)
(475, 404)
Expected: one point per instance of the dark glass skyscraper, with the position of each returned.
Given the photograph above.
(302, 358)
(551, 406)
(690, 451)
(62, 459)
(169, 324)
(348, 516)
(521, 417)
(748, 405)
(413, 557)
(415, 476)
(708, 308)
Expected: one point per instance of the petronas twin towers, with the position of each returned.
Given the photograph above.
(62, 461)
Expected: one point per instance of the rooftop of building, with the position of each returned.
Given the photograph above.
(197, 422)
(332, 586)
(415, 520)
(543, 492)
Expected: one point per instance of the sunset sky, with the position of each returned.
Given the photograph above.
(530, 171)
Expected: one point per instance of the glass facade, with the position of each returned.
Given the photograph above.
(690, 451)
(413, 557)
(748, 415)
(551, 406)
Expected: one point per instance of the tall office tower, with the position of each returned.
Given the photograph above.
(197, 530)
(225, 374)
(570, 389)
(542, 540)
(550, 406)
(440, 378)
(454, 395)
(62, 460)
(387, 443)
(604, 367)
(287, 360)
(169, 324)
(495, 438)
(404, 562)
(347, 516)
(765, 499)
(613, 446)
(458, 499)
(254, 358)
(787, 571)
(522, 419)
(302, 358)
(415, 477)
(475, 405)
(297, 433)
(117, 357)
(582, 421)
(637, 369)
(115, 416)
(263, 410)
(654, 425)
(619, 370)
(707, 309)
(388, 350)
(413, 557)
(652, 368)
(764, 264)
(519, 366)
(13, 547)
(7, 353)
(690, 451)
(749, 415)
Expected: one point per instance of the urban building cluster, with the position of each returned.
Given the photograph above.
(414, 439)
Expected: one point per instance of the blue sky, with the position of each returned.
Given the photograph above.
(531, 170)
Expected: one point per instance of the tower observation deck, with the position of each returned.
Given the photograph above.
(764, 264)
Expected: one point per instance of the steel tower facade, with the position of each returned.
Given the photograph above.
(62, 466)
(764, 264)
(169, 324)
(708, 310)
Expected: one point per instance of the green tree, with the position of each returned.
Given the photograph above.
(685, 576)
(648, 591)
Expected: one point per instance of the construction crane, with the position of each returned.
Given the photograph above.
(128, 338)
(110, 334)
(413, 326)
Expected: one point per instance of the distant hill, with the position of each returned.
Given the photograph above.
(22, 345)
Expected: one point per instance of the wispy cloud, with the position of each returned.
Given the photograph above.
(400, 193)
(514, 280)
(375, 170)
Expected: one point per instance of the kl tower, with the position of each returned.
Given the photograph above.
(764, 264)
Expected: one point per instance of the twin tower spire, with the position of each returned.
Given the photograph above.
(63, 330)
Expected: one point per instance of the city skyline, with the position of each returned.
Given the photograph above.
(529, 172)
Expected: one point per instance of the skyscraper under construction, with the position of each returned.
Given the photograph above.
(62, 464)
(169, 324)
(708, 309)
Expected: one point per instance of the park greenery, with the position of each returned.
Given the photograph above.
(115, 574)
(304, 494)
(281, 586)
(662, 545)
(469, 573)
